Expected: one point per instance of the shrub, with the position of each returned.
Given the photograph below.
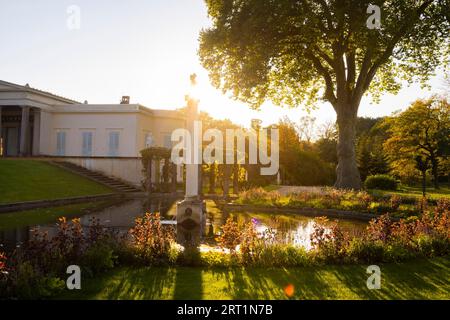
(363, 251)
(249, 242)
(28, 284)
(217, 259)
(422, 204)
(396, 252)
(365, 199)
(280, 255)
(99, 257)
(381, 181)
(395, 201)
(230, 237)
(380, 229)
(443, 205)
(259, 196)
(329, 242)
(151, 242)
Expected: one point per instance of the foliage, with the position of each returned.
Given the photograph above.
(292, 52)
(423, 130)
(35, 269)
(98, 258)
(381, 181)
(230, 236)
(326, 198)
(371, 134)
(154, 153)
(258, 196)
(151, 242)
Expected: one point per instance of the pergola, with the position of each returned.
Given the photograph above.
(152, 157)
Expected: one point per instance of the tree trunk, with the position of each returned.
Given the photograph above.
(347, 174)
(435, 171)
(424, 182)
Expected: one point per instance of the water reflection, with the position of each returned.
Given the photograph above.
(294, 229)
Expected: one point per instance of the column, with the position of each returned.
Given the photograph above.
(193, 167)
(36, 132)
(149, 175)
(24, 131)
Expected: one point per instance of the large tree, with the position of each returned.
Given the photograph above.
(293, 52)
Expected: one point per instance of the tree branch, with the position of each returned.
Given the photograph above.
(329, 90)
(390, 47)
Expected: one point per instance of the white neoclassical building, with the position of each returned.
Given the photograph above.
(102, 137)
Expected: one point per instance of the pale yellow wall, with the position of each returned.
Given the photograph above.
(159, 127)
(100, 124)
(45, 137)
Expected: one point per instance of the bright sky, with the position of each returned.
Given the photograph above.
(142, 48)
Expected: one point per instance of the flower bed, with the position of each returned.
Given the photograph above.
(38, 268)
(345, 200)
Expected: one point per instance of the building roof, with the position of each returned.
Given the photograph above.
(70, 105)
(27, 88)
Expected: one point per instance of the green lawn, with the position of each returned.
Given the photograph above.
(27, 180)
(48, 215)
(422, 279)
(406, 191)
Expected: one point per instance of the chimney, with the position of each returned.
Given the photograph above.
(125, 100)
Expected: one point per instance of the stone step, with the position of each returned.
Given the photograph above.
(99, 177)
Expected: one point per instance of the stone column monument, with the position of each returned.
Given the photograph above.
(191, 211)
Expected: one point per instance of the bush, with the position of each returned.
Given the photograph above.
(100, 257)
(396, 252)
(363, 251)
(151, 242)
(231, 235)
(259, 196)
(27, 284)
(381, 181)
(279, 255)
(217, 259)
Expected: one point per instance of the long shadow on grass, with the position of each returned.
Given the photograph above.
(269, 283)
(147, 283)
(419, 279)
(188, 281)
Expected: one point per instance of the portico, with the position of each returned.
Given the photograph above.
(20, 118)
(19, 130)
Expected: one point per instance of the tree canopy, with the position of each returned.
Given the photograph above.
(294, 52)
(291, 51)
(423, 130)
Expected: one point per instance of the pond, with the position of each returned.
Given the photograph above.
(287, 228)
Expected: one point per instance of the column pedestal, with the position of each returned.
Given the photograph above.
(191, 221)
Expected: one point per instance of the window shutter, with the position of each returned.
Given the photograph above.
(87, 144)
(114, 144)
(61, 143)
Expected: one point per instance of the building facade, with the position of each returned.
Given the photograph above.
(106, 138)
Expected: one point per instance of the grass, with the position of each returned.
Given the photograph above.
(407, 191)
(28, 180)
(421, 279)
(47, 215)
